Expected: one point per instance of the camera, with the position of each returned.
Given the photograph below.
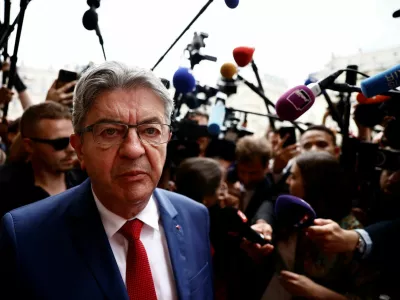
(193, 49)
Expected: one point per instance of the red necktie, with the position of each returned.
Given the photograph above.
(139, 281)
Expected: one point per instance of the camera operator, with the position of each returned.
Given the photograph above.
(45, 131)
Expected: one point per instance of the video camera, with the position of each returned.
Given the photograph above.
(194, 50)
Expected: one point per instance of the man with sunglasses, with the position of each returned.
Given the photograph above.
(45, 130)
(115, 236)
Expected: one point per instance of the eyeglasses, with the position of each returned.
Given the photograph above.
(57, 144)
(108, 134)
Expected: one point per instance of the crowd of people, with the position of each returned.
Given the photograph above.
(94, 206)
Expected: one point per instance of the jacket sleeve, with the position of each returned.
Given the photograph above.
(8, 257)
(385, 242)
(265, 212)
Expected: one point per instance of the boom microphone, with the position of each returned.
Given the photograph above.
(236, 224)
(232, 3)
(292, 212)
(243, 55)
(381, 83)
(184, 81)
(90, 21)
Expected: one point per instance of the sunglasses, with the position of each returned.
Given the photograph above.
(57, 144)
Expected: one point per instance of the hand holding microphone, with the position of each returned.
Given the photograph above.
(331, 238)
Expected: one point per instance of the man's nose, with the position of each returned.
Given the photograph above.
(69, 148)
(132, 147)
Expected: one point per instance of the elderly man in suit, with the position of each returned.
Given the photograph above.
(115, 236)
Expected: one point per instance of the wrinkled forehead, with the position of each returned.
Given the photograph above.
(127, 106)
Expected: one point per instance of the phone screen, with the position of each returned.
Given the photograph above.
(291, 131)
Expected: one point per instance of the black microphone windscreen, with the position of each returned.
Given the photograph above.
(90, 19)
(396, 14)
(292, 211)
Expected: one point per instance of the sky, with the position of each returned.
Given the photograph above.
(292, 38)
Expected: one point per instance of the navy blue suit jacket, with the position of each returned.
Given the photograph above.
(57, 249)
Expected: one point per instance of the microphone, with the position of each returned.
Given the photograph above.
(381, 83)
(361, 99)
(184, 81)
(217, 117)
(228, 70)
(236, 224)
(232, 3)
(90, 21)
(243, 55)
(294, 212)
(296, 101)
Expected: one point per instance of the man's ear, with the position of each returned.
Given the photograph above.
(27, 145)
(76, 142)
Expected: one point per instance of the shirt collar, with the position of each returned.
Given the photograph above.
(112, 222)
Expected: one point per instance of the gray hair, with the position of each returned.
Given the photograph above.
(110, 76)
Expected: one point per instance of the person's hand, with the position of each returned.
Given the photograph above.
(299, 285)
(5, 67)
(5, 95)
(231, 201)
(331, 238)
(60, 95)
(256, 251)
(264, 228)
(283, 155)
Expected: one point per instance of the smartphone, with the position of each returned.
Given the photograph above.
(65, 77)
(291, 131)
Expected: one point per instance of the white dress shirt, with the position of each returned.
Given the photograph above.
(154, 241)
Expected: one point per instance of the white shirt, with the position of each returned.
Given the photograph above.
(154, 241)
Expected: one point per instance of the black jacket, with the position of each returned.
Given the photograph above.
(17, 185)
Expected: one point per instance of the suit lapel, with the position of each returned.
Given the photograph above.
(90, 239)
(174, 229)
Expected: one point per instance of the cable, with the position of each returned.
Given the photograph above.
(184, 31)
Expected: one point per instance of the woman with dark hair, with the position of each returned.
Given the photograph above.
(306, 271)
(318, 178)
(201, 179)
